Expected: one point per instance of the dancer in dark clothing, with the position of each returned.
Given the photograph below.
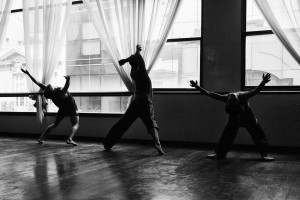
(66, 104)
(240, 115)
(140, 104)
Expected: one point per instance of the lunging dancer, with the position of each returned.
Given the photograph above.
(140, 104)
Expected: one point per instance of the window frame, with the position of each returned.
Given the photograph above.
(246, 34)
(114, 94)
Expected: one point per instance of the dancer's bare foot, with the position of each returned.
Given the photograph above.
(215, 156)
(70, 141)
(267, 158)
(159, 149)
(40, 141)
(106, 147)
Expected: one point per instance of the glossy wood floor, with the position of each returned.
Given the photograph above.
(57, 171)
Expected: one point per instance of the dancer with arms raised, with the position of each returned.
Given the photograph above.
(240, 115)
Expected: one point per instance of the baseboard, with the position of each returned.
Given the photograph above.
(181, 144)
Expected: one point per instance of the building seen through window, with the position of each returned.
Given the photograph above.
(265, 53)
(86, 61)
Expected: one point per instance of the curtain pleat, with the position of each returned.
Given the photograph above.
(283, 17)
(5, 8)
(45, 23)
(122, 24)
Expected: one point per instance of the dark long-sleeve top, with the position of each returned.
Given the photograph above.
(242, 105)
(62, 99)
(139, 75)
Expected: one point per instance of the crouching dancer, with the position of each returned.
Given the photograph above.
(240, 115)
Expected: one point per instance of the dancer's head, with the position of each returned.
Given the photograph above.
(49, 92)
(232, 98)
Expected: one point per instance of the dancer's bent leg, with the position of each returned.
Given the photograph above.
(259, 139)
(226, 139)
(49, 128)
(75, 125)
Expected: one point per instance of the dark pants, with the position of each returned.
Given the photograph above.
(248, 121)
(140, 107)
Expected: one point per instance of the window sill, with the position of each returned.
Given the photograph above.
(113, 115)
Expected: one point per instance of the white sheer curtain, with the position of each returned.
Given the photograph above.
(122, 24)
(283, 17)
(45, 24)
(5, 8)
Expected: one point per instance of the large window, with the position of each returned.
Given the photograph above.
(87, 62)
(179, 60)
(265, 53)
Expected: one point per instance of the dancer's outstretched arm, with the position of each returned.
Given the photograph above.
(265, 79)
(122, 61)
(41, 85)
(221, 97)
(67, 84)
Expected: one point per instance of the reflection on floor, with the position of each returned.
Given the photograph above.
(57, 171)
